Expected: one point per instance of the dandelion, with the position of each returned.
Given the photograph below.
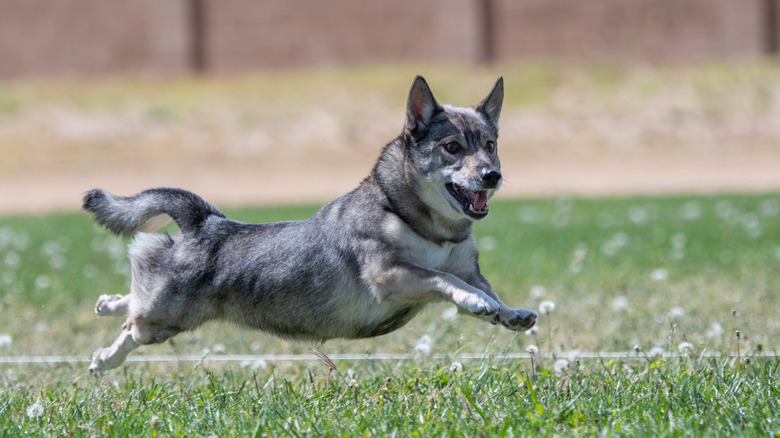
(487, 243)
(546, 307)
(560, 366)
(715, 330)
(637, 214)
(532, 331)
(619, 304)
(659, 275)
(769, 208)
(527, 214)
(456, 367)
(537, 292)
(679, 240)
(685, 347)
(656, 351)
(423, 345)
(533, 350)
(12, 260)
(256, 364)
(218, 348)
(690, 211)
(35, 411)
(5, 340)
(450, 314)
(676, 312)
(42, 282)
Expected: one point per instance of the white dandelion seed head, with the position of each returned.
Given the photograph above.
(546, 307)
(12, 260)
(637, 214)
(532, 331)
(537, 292)
(218, 348)
(684, 347)
(42, 282)
(532, 349)
(423, 349)
(659, 275)
(715, 330)
(456, 367)
(769, 207)
(572, 355)
(5, 340)
(35, 410)
(690, 211)
(676, 312)
(423, 345)
(488, 243)
(561, 366)
(620, 303)
(256, 364)
(450, 313)
(656, 351)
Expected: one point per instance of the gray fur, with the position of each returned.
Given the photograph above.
(362, 266)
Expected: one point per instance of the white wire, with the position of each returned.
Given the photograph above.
(358, 357)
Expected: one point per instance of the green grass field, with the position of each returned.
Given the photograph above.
(667, 281)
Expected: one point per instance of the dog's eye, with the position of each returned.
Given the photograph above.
(452, 147)
(490, 146)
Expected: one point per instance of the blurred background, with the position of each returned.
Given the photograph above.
(277, 101)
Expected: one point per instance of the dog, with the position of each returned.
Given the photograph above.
(362, 266)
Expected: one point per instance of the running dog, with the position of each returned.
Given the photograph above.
(363, 266)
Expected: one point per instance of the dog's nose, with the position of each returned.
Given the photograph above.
(491, 177)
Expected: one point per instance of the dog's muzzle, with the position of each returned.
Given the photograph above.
(473, 203)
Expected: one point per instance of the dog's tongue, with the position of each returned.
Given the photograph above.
(477, 199)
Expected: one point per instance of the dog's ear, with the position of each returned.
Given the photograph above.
(420, 108)
(491, 106)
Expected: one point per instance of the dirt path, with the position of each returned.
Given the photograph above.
(310, 184)
(311, 137)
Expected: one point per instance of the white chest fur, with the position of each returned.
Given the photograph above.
(416, 249)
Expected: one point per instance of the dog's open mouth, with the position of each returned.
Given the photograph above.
(474, 203)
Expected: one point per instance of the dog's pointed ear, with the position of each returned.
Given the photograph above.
(420, 108)
(491, 106)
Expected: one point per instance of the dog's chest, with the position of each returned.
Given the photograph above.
(427, 254)
(417, 249)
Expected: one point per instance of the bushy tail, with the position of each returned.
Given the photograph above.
(146, 211)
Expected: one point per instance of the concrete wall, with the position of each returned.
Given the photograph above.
(70, 37)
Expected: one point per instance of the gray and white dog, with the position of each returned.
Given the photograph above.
(362, 266)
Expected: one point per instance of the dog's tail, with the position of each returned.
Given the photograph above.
(149, 210)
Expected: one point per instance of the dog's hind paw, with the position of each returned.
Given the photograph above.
(110, 305)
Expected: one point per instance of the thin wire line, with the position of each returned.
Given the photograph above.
(357, 357)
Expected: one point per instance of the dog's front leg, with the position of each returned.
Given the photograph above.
(414, 284)
(513, 319)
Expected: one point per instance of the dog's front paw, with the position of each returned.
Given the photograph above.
(481, 305)
(520, 319)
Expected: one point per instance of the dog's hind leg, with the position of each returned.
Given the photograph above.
(136, 331)
(113, 356)
(112, 305)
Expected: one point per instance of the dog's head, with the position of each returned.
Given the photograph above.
(455, 151)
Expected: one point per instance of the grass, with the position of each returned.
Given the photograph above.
(674, 277)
